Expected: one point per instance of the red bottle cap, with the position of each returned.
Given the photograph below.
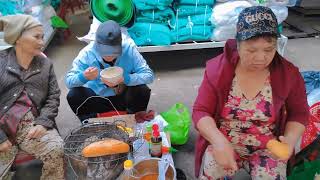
(165, 149)
(156, 134)
(155, 127)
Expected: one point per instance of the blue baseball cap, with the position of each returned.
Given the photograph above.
(108, 41)
(255, 21)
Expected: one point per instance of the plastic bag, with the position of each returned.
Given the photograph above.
(307, 170)
(179, 121)
(281, 13)
(226, 14)
(314, 96)
(223, 33)
(57, 22)
(311, 80)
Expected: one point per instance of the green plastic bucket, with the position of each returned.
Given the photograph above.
(120, 11)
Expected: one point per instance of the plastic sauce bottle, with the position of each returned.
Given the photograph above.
(148, 133)
(166, 150)
(156, 142)
(127, 173)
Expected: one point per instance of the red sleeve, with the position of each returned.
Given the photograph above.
(205, 103)
(296, 104)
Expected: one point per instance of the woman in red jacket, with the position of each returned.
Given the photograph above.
(249, 95)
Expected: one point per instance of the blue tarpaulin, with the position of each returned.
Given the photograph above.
(311, 80)
(312, 83)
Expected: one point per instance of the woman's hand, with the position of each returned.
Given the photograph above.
(91, 73)
(223, 152)
(110, 84)
(293, 132)
(290, 143)
(5, 146)
(36, 132)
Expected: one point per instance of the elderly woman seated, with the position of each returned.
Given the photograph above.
(249, 95)
(29, 98)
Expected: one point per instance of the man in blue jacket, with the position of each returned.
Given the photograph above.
(110, 48)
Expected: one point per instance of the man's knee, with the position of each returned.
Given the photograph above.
(77, 92)
(140, 90)
(77, 95)
(72, 94)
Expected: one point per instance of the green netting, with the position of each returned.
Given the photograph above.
(186, 10)
(10, 7)
(156, 16)
(201, 19)
(196, 2)
(152, 4)
(196, 33)
(150, 34)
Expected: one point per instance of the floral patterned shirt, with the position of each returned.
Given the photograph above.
(248, 123)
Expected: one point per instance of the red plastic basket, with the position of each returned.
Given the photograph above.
(313, 128)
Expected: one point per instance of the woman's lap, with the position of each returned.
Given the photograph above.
(47, 148)
(259, 164)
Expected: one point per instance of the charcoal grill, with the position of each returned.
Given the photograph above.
(98, 168)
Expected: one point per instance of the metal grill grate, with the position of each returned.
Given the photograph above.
(104, 167)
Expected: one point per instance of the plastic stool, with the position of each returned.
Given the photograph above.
(26, 167)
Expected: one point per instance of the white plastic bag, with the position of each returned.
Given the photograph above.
(273, 2)
(314, 96)
(281, 13)
(223, 33)
(227, 13)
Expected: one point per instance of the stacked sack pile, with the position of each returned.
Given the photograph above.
(10, 7)
(192, 20)
(225, 15)
(164, 22)
(43, 13)
(152, 21)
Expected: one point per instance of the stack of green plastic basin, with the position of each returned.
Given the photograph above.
(120, 11)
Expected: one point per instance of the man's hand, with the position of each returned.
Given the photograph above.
(91, 73)
(36, 132)
(111, 84)
(5, 146)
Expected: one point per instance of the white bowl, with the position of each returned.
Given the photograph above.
(112, 74)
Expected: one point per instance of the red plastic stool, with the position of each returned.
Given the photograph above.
(72, 4)
(65, 7)
(22, 157)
